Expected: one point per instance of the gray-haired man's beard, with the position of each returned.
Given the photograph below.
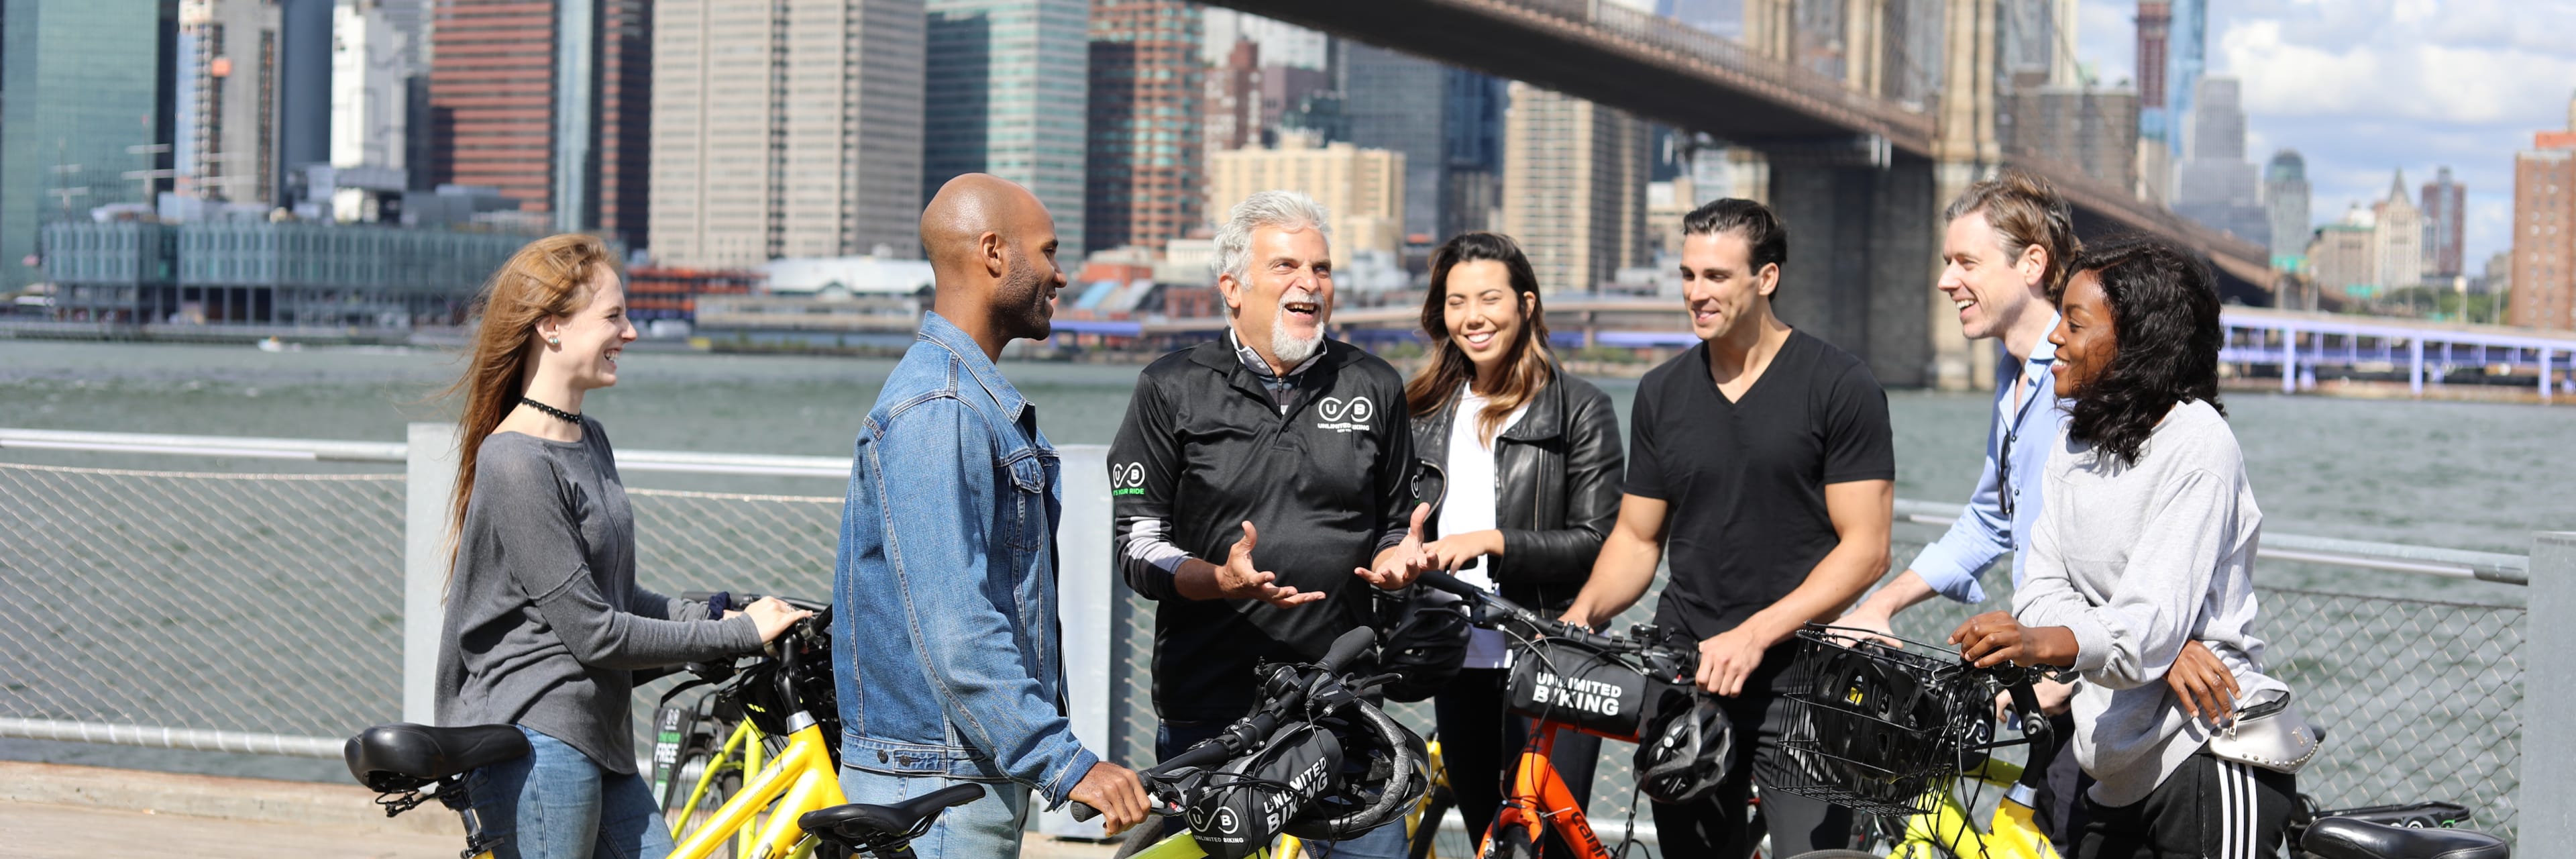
(1292, 350)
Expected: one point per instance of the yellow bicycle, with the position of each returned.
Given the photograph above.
(790, 807)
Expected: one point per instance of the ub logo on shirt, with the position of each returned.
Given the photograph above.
(1345, 416)
(1128, 479)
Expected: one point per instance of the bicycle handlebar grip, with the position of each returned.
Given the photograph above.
(1440, 580)
(1347, 648)
(1084, 813)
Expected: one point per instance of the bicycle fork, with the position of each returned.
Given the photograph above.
(1541, 802)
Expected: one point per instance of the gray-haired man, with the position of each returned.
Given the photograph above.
(1258, 483)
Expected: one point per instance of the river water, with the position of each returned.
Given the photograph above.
(2461, 475)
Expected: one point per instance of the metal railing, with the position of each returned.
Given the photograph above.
(276, 613)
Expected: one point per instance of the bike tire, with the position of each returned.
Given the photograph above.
(1836, 854)
(1426, 831)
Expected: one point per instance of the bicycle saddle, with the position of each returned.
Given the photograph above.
(861, 823)
(404, 756)
(2347, 838)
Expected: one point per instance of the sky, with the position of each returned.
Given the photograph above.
(2363, 88)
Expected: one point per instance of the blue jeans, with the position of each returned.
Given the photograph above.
(558, 804)
(988, 827)
(1384, 842)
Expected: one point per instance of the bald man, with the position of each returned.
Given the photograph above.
(951, 668)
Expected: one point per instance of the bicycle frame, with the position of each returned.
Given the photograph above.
(745, 740)
(802, 778)
(1950, 831)
(1541, 801)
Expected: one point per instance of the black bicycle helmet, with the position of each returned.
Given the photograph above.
(1425, 644)
(1384, 773)
(1685, 751)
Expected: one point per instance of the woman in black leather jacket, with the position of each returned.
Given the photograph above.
(1521, 465)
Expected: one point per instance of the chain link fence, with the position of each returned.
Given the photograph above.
(262, 603)
(271, 603)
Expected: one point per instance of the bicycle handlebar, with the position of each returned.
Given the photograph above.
(1251, 731)
(1531, 622)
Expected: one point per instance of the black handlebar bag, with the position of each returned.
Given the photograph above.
(1569, 683)
(1246, 803)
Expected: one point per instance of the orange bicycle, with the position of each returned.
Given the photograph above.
(1615, 687)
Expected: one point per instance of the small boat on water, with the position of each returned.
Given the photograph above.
(272, 344)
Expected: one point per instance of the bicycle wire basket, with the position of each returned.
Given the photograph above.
(1875, 728)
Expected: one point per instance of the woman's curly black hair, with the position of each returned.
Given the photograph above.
(2164, 314)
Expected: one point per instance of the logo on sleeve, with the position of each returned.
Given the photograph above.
(1127, 479)
(1345, 416)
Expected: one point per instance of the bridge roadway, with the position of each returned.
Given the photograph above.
(1859, 179)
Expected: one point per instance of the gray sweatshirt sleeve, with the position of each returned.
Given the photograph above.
(536, 539)
(2132, 638)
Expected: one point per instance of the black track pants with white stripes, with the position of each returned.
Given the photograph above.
(2209, 809)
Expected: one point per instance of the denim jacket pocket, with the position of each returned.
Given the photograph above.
(1026, 504)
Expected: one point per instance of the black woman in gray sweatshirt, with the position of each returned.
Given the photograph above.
(2147, 543)
(545, 624)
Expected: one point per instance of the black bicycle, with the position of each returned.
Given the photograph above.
(1316, 759)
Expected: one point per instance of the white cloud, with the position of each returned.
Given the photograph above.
(2364, 87)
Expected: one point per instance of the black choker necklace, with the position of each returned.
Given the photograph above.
(557, 414)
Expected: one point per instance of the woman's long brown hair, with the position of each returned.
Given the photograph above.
(549, 277)
(1527, 365)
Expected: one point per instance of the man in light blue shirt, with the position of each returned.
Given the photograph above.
(2004, 255)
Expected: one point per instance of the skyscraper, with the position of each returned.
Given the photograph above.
(375, 56)
(87, 101)
(1231, 118)
(1577, 173)
(2397, 242)
(544, 100)
(2155, 116)
(2544, 229)
(785, 130)
(1447, 122)
(226, 102)
(303, 92)
(491, 94)
(2446, 226)
(2286, 198)
(1143, 176)
(998, 97)
(1393, 101)
(2186, 49)
(2218, 187)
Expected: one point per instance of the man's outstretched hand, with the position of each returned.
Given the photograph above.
(1402, 562)
(1238, 579)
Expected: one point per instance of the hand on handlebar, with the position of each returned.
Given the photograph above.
(1996, 638)
(1727, 658)
(1397, 566)
(773, 616)
(2053, 698)
(1116, 793)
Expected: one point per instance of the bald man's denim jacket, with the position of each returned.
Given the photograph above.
(944, 632)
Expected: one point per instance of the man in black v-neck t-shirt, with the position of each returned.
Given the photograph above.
(1762, 462)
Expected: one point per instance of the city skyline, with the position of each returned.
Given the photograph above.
(2364, 88)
